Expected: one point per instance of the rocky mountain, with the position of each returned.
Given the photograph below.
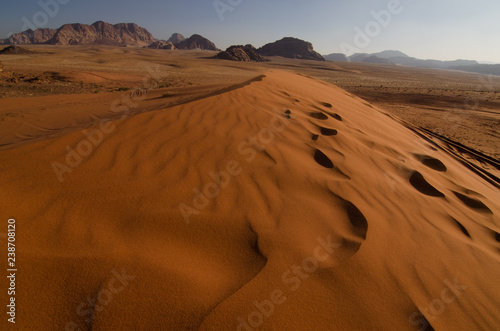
(99, 33)
(413, 62)
(39, 36)
(336, 57)
(358, 57)
(102, 33)
(400, 58)
(241, 53)
(176, 38)
(389, 54)
(197, 42)
(161, 44)
(250, 46)
(291, 48)
(485, 69)
(377, 60)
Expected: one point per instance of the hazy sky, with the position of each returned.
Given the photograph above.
(437, 29)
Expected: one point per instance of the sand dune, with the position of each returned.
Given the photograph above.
(284, 203)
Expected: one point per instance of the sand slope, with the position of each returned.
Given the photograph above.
(328, 214)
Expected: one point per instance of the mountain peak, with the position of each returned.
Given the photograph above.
(390, 53)
(197, 42)
(176, 38)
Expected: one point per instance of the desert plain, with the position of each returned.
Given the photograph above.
(168, 190)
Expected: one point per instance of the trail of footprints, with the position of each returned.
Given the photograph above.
(359, 224)
(418, 182)
(319, 156)
(357, 219)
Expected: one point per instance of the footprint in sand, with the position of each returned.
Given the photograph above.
(357, 219)
(431, 162)
(358, 227)
(420, 184)
(328, 132)
(324, 132)
(462, 228)
(288, 113)
(326, 104)
(325, 162)
(473, 203)
(318, 116)
(418, 316)
(322, 159)
(336, 116)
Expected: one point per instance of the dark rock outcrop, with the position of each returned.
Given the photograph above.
(161, 44)
(14, 50)
(197, 42)
(291, 48)
(241, 53)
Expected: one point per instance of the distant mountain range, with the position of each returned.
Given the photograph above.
(102, 33)
(99, 33)
(399, 58)
(130, 34)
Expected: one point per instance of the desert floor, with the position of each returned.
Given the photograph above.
(166, 190)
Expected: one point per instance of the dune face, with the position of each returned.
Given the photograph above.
(284, 203)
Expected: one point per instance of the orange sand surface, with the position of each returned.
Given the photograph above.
(284, 203)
